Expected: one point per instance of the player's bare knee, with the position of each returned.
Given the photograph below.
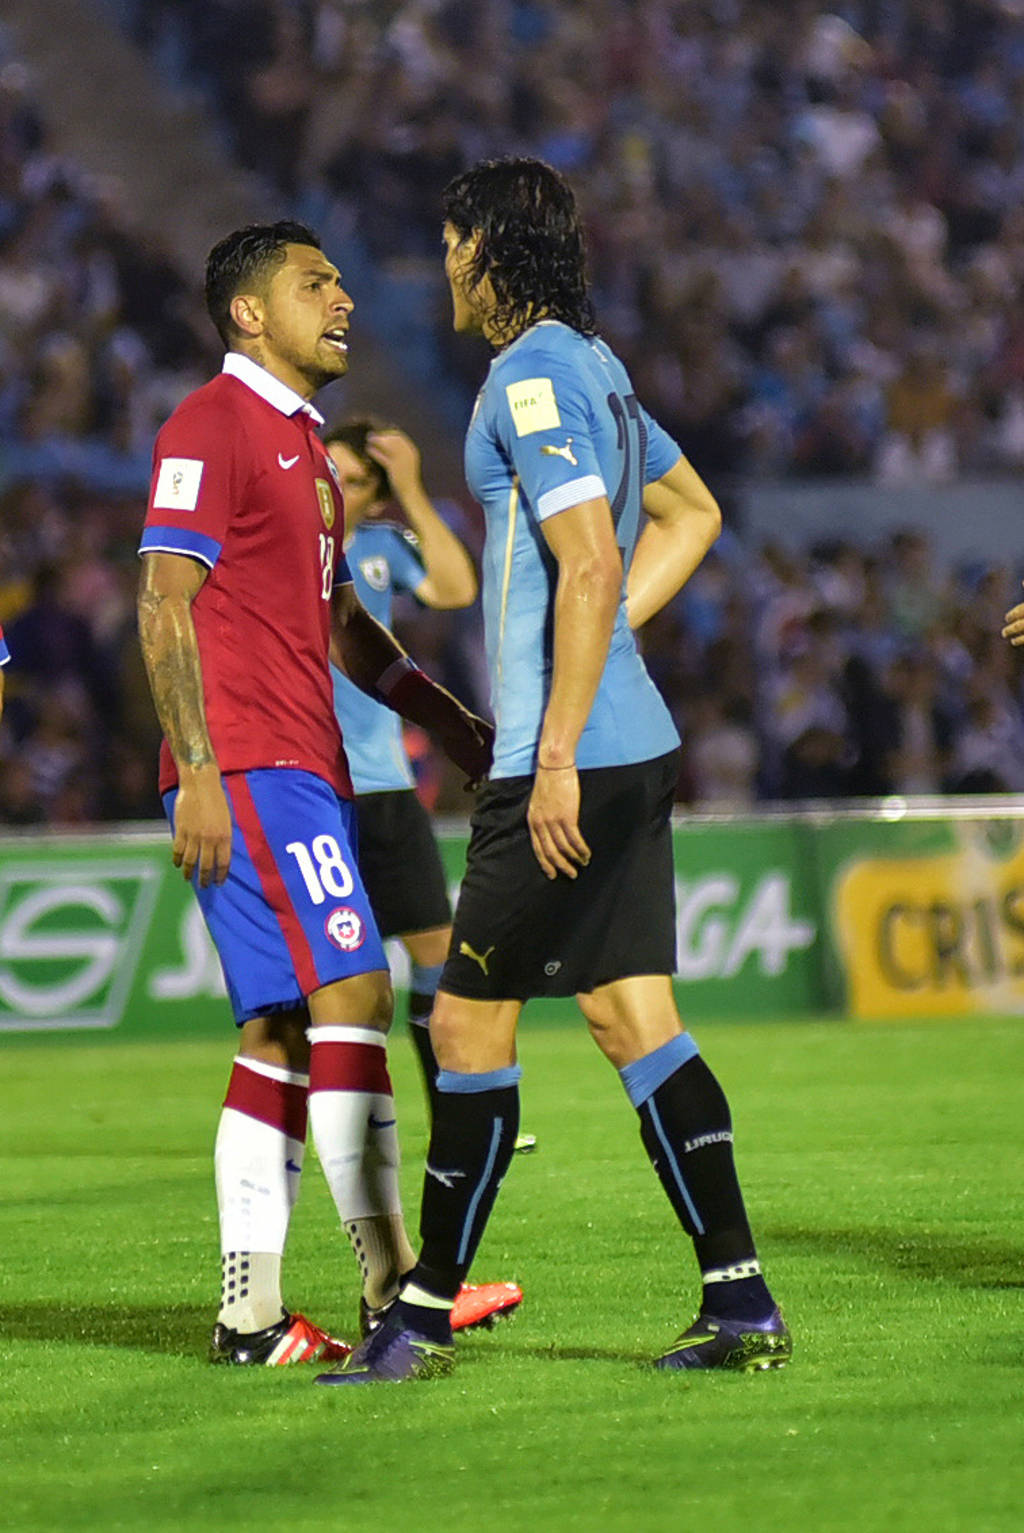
(447, 1034)
(624, 1029)
(383, 1003)
(456, 1049)
(363, 1000)
(382, 1007)
(278, 1039)
(632, 1017)
(611, 1032)
(599, 1015)
(472, 1037)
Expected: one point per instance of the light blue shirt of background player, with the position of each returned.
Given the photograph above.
(557, 424)
(426, 559)
(374, 467)
(384, 559)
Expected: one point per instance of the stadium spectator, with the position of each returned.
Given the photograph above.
(919, 443)
(988, 756)
(723, 753)
(56, 753)
(56, 649)
(920, 729)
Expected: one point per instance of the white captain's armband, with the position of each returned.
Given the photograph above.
(177, 484)
(533, 405)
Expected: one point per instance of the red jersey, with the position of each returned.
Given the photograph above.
(242, 483)
(4, 652)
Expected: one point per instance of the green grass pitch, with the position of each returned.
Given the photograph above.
(883, 1172)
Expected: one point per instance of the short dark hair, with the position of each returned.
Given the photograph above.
(246, 259)
(531, 246)
(353, 434)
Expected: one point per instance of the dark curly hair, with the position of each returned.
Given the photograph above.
(245, 260)
(353, 434)
(531, 244)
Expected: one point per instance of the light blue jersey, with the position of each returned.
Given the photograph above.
(383, 558)
(555, 424)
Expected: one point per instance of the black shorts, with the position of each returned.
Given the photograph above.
(400, 864)
(519, 934)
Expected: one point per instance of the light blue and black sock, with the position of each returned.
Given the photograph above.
(687, 1133)
(474, 1134)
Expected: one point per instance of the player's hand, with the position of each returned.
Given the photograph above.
(553, 818)
(1014, 630)
(469, 742)
(398, 456)
(202, 827)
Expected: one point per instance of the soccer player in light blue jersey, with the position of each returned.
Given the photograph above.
(594, 521)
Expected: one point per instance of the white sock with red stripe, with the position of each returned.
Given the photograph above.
(261, 1141)
(352, 1115)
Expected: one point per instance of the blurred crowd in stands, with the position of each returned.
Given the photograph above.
(808, 243)
(806, 225)
(100, 336)
(840, 672)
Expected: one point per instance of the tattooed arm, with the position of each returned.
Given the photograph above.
(202, 820)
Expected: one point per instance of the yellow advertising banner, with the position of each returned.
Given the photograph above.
(937, 931)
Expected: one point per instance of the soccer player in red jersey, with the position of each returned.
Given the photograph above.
(244, 591)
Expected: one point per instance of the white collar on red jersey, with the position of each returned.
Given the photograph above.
(276, 393)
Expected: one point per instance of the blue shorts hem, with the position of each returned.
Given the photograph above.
(274, 1008)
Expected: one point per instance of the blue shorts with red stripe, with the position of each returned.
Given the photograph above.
(292, 914)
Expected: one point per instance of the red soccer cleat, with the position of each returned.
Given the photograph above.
(294, 1339)
(481, 1304)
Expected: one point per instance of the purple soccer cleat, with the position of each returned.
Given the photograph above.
(742, 1346)
(394, 1354)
